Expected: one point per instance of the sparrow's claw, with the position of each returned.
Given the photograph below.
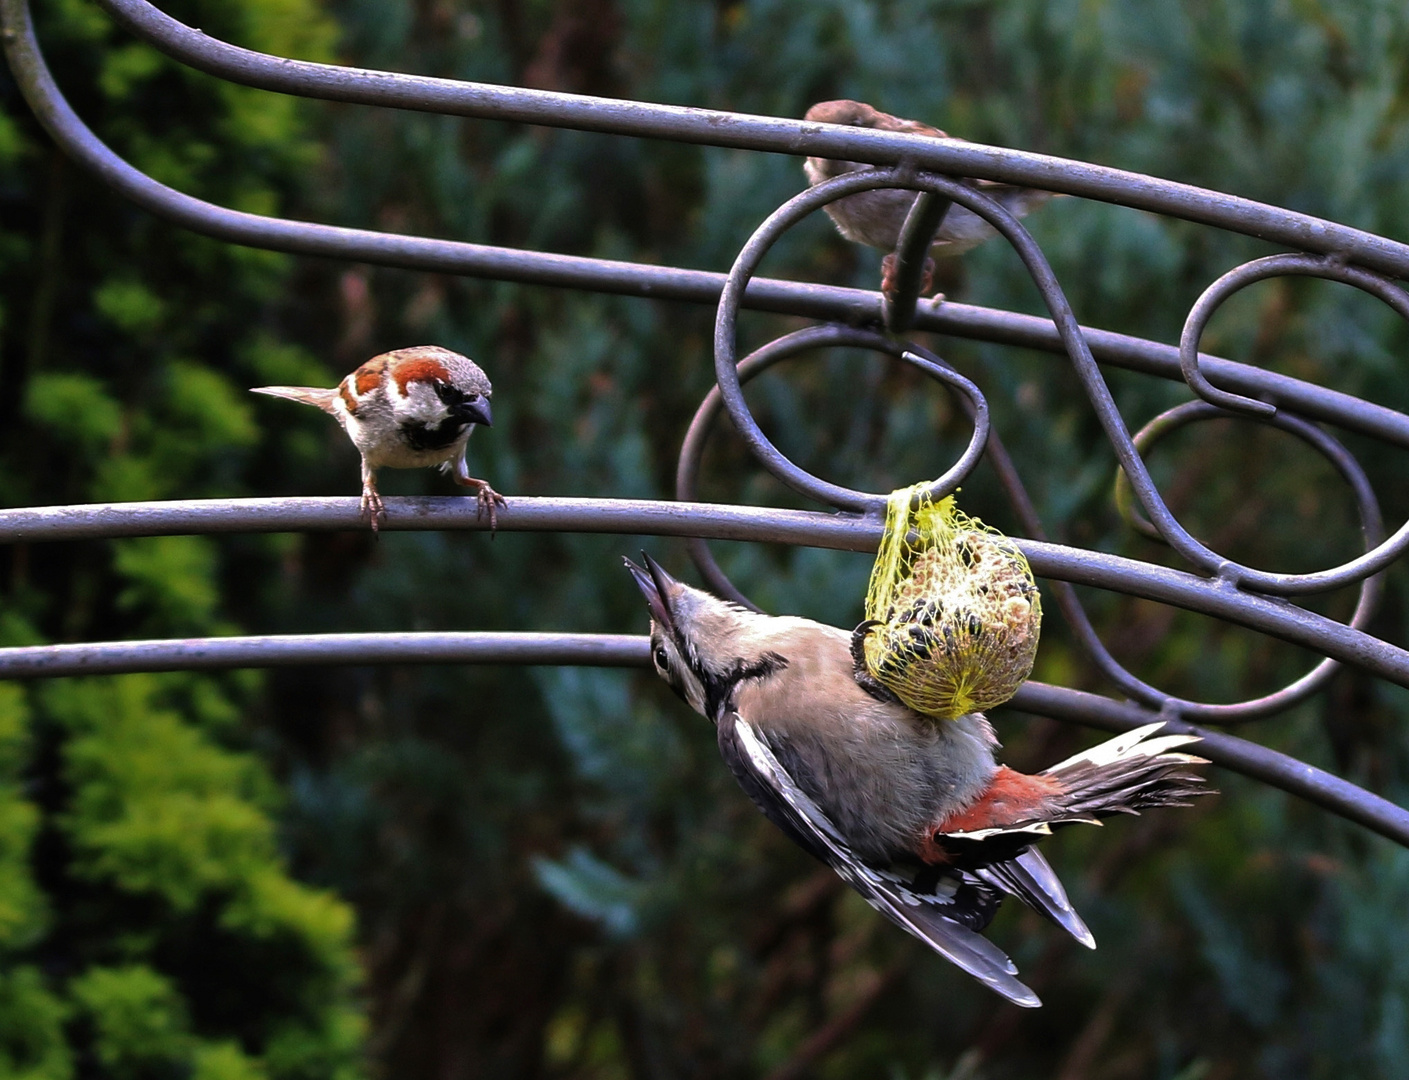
(372, 509)
(486, 499)
(888, 282)
(888, 276)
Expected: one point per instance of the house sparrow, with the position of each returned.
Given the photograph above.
(913, 813)
(875, 217)
(405, 409)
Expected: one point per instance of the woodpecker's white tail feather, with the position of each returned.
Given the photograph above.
(1127, 774)
(1124, 775)
(1133, 742)
(308, 395)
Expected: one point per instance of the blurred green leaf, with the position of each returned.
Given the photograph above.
(32, 1044)
(139, 1019)
(75, 406)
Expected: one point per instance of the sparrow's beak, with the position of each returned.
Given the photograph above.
(477, 411)
(656, 586)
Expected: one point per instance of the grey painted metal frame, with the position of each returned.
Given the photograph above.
(633, 517)
(850, 306)
(741, 131)
(626, 650)
(937, 169)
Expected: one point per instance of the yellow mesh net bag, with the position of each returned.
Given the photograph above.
(956, 611)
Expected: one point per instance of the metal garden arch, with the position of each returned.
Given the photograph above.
(1214, 586)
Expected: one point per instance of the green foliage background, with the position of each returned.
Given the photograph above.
(551, 874)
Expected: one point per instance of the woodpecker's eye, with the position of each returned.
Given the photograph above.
(662, 658)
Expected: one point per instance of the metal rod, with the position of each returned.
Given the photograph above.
(1260, 270)
(640, 517)
(709, 127)
(816, 337)
(292, 650)
(644, 517)
(1160, 360)
(1379, 552)
(630, 650)
(911, 256)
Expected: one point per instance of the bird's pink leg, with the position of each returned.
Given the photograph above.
(372, 508)
(486, 497)
(888, 276)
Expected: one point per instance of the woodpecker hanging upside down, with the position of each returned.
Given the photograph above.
(912, 812)
(406, 409)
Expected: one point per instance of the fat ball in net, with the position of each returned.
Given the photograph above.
(953, 610)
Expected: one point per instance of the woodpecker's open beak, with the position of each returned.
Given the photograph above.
(656, 585)
(477, 410)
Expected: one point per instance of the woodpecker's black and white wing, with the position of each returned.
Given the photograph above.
(922, 913)
(1032, 880)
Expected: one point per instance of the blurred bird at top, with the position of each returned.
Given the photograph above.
(912, 812)
(875, 218)
(407, 409)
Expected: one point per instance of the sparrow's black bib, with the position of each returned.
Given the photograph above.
(459, 416)
(421, 436)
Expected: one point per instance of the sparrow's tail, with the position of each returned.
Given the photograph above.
(309, 395)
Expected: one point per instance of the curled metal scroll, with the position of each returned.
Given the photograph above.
(1329, 267)
(811, 338)
(1098, 393)
(1079, 352)
(727, 375)
(1380, 554)
(1371, 529)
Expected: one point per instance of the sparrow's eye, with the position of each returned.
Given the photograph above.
(662, 658)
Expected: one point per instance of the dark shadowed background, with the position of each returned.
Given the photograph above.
(446, 873)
